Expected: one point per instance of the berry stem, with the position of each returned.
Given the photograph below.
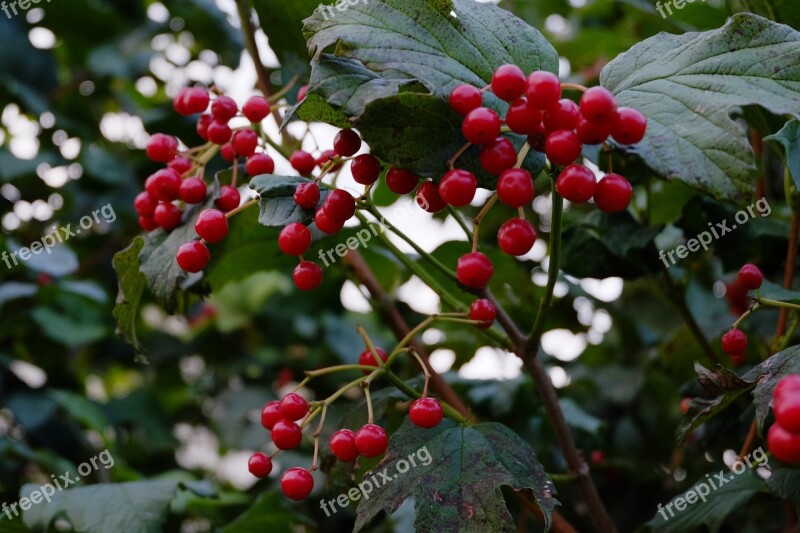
(776, 303)
(370, 414)
(424, 370)
(370, 346)
(411, 393)
(235, 176)
(249, 203)
(523, 153)
(286, 88)
(333, 369)
(476, 222)
(460, 220)
(747, 313)
(316, 437)
(575, 86)
(452, 161)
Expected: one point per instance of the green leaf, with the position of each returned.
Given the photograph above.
(238, 301)
(67, 330)
(687, 86)
(277, 204)
(772, 291)
(789, 137)
(768, 374)
(13, 290)
(131, 287)
(783, 11)
(81, 409)
(451, 493)
(785, 483)
(268, 513)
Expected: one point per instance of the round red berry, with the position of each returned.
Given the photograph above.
(259, 464)
(515, 187)
(147, 223)
(458, 187)
(597, 456)
(181, 165)
(734, 342)
(428, 197)
(474, 270)
(219, 132)
(223, 109)
(562, 147)
(302, 162)
(484, 311)
(589, 133)
(211, 225)
(686, 405)
(167, 215)
(508, 82)
(293, 406)
(464, 98)
(598, 106)
(256, 109)
(613, 193)
(346, 143)
(366, 169)
(576, 183)
(245, 142)
(145, 204)
(339, 205)
(523, 118)
(162, 148)
(228, 200)
(270, 414)
(498, 155)
(368, 359)
(203, 122)
(297, 483)
(259, 164)
(286, 434)
(371, 440)
(326, 157)
(787, 411)
(165, 185)
(307, 194)
(516, 237)
(785, 446)
(196, 100)
(750, 277)
(481, 125)
(401, 181)
(193, 257)
(565, 115)
(629, 126)
(294, 239)
(544, 89)
(426, 412)
(327, 224)
(227, 152)
(790, 383)
(343, 445)
(193, 191)
(179, 102)
(307, 276)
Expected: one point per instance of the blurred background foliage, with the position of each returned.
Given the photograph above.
(83, 83)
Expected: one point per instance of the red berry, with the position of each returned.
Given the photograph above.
(516, 237)
(260, 465)
(229, 198)
(181, 165)
(145, 204)
(629, 126)
(562, 147)
(259, 164)
(523, 118)
(458, 187)
(302, 92)
(787, 384)
(270, 414)
(565, 115)
(293, 406)
(346, 143)
(302, 162)
(787, 411)
(326, 157)
(256, 109)
(297, 483)
(371, 440)
(202, 126)
(162, 148)
(219, 132)
(599, 106)
(482, 310)
(196, 100)
(179, 102)
(734, 342)
(306, 195)
(481, 125)
(464, 98)
(193, 191)
(401, 181)
(498, 156)
(294, 239)
(750, 277)
(515, 187)
(613, 193)
(211, 225)
(686, 404)
(783, 445)
(167, 215)
(474, 270)
(327, 224)
(245, 142)
(223, 109)
(544, 89)
(339, 205)
(147, 223)
(738, 359)
(227, 152)
(368, 359)
(343, 445)
(366, 169)
(597, 456)
(589, 133)
(576, 183)
(426, 412)
(193, 257)
(307, 276)
(508, 82)
(286, 434)
(428, 197)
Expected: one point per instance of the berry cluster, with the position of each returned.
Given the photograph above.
(783, 437)
(734, 342)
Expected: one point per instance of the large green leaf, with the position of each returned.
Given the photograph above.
(131, 287)
(789, 137)
(687, 86)
(456, 484)
(277, 204)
